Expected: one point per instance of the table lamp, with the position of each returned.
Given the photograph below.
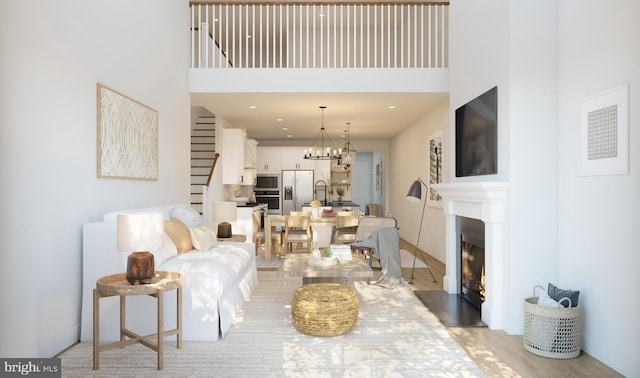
(138, 233)
(224, 212)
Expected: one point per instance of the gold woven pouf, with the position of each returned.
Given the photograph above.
(324, 309)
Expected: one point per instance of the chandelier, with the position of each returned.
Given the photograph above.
(320, 152)
(348, 152)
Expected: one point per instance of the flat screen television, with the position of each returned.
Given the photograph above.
(477, 135)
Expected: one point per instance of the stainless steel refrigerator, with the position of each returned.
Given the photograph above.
(297, 189)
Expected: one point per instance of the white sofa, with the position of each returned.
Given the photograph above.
(217, 278)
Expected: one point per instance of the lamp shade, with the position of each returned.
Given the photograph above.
(415, 192)
(140, 232)
(224, 211)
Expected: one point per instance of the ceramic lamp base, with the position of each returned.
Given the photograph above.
(140, 268)
(224, 230)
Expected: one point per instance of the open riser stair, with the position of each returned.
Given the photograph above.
(203, 156)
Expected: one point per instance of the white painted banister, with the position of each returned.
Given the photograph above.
(345, 34)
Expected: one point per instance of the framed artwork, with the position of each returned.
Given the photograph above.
(378, 180)
(435, 168)
(604, 132)
(127, 137)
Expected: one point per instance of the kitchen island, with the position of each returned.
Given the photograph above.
(337, 205)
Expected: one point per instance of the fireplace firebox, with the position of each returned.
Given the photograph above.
(472, 273)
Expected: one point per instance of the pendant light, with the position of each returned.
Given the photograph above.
(348, 151)
(320, 152)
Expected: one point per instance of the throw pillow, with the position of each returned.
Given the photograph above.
(545, 300)
(558, 294)
(179, 233)
(187, 215)
(203, 238)
(168, 251)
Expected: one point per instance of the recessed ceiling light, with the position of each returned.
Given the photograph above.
(285, 128)
(279, 119)
(289, 136)
(252, 107)
(392, 106)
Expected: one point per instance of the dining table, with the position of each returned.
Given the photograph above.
(322, 227)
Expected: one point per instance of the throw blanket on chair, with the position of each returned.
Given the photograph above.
(385, 245)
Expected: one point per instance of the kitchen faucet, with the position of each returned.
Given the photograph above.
(324, 185)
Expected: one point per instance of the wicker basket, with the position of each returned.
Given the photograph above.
(324, 309)
(551, 332)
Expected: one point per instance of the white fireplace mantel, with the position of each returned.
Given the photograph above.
(485, 201)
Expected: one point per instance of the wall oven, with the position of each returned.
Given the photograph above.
(267, 190)
(271, 198)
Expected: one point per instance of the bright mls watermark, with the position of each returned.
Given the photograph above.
(30, 367)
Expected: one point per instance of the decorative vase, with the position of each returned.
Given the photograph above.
(140, 268)
(224, 230)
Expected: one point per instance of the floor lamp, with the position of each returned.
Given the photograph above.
(415, 195)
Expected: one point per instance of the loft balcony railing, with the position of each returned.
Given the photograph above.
(352, 34)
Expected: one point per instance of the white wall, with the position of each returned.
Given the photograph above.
(409, 160)
(500, 42)
(598, 215)
(559, 231)
(53, 54)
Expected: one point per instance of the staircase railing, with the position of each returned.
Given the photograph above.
(345, 34)
(213, 166)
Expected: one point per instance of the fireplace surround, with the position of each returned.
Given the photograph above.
(485, 201)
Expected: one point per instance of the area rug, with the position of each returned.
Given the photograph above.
(395, 336)
(406, 260)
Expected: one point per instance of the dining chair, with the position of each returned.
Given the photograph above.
(295, 213)
(373, 209)
(366, 226)
(346, 227)
(259, 235)
(297, 230)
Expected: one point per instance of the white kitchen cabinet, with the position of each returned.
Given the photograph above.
(250, 153)
(293, 158)
(250, 176)
(232, 156)
(268, 160)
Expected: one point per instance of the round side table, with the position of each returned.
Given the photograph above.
(235, 238)
(117, 284)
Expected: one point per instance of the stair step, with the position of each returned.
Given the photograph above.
(198, 180)
(204, 133)
(202, 147)
(204, 163)
(200, 171)
(203, 154)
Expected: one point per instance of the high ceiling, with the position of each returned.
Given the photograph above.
(372, 116)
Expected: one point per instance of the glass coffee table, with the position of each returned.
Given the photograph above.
(344, 272)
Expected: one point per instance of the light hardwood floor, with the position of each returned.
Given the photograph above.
(499, 354)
